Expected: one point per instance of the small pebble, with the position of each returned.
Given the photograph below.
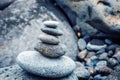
(82, 44)
(82, 54)
(103, 56)
(99, 77)
(90, 54)
(82, 73)
(108, 41)
(51, 31)
(100, 65)
(48, 39)
(110, 53)
(112, 62)
(100, 51)
(78, 34)
(96, 45)
(112, 47)
(92, 61)
(105, 70)
(51, 24)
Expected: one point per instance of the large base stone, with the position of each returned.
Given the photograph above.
(36, 63)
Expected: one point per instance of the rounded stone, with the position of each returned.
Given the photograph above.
(96, 45)
(51, 31)
(82, 44)
(48, 39)
(82, 73)
(51, 50)
(112, 62)
(51, 24)
(82, 54)
(37, 64)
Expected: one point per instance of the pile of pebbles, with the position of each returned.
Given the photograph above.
(48, 59)
(97, 58)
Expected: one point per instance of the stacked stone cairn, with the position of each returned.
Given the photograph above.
(48, 59)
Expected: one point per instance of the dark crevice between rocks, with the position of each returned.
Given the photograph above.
(67, 12)
(105, 3)
(5, 3)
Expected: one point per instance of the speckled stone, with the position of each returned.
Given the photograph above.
(51, 50)
(37, 64)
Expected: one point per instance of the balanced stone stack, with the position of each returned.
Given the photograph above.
(48, 60)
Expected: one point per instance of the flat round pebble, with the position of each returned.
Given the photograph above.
(51, 31)
(52, 51)
(48, 39)
(51, 24)
(37, 64)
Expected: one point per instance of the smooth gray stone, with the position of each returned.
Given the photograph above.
(51, 24)
(51, 31)
(37, 64)
(52, 51)
(100, 65)
(48, 39)
(82, 44)
(14, 72)
(95, 47)
(82, 73)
